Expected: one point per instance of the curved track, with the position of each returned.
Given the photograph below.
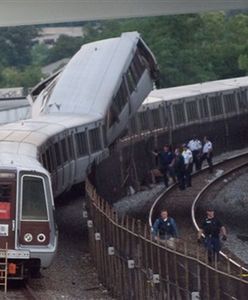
(19, 290)
(182, 204)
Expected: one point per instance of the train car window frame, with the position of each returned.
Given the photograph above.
(203, 107)
(242, 99)
(82, 145)
(70, 142)
(65, 155)
(58, 154)
(32, 219)
(138, 64)
(44, 160)
(95, 140)
(156, 118)
(192, 110)
(49, 158)
(179, 113)
(229, 100)
(216, 106)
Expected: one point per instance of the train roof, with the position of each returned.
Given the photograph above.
(25, 136)
(194, 90)
(90, 79)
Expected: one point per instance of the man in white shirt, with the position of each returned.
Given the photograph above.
(195, 147)
(188, 162)
(207, 153)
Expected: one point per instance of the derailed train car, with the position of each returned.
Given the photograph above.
(77, 114)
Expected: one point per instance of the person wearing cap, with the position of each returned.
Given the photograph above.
(188, 162)
(195, 147)
(207, 153)
(211, 229)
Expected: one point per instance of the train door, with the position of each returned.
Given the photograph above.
(7, 209)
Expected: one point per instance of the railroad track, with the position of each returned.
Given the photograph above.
(20, 291)
(182, 205)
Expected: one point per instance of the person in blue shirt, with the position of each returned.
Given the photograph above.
(164, 227)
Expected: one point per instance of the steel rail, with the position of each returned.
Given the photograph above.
(201, 195)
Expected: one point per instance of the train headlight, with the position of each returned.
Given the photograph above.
(28, 237)
(41, 237)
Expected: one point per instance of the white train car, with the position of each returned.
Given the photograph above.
(76, 115)
(191, 104)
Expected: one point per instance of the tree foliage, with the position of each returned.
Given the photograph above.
(189, 48)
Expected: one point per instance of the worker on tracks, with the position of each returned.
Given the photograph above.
(212, 229)
(165, 228)
(165, 160)
(195, 146)
(207, 153)
(188, 162)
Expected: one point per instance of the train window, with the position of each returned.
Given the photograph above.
(229, 102)
(5, 192)
(121, 97)
(70, 147)
(82, 144)
(138, 65)
(156, 122)
(192, 113)
(242, 99)
(203, 107)
(134, 72)
(179, 115)
(130, 81)
(43, 158)
(33, 199)
(215, 105)
(57, 154)
(104, 132)
(49, 160)
(64, 150)
(95, 141)
(144, 121)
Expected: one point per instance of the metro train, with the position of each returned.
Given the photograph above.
(76, 114)
(181, 106)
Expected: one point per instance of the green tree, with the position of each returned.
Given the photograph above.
(65, 46)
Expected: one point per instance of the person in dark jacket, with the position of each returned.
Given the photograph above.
(165, 159)
(179, 167)
(164, 227)
(212, 228)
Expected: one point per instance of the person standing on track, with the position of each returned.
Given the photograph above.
(212, 228)
(179, 168)
(165, 159)
(188, 162)
(195, 146)
(164, 227)
(207, 153)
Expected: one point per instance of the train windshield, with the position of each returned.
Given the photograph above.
(33, 198)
